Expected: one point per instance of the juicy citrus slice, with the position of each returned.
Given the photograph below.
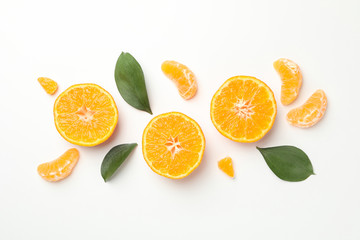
(182, 76)
(243, 109)
(49, 85)
(291, 79)
(226, 166)
(85, 114)
(61, 167)
(310, 112)
(173, 145)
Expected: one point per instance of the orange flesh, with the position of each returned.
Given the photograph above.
(226, 166)
(310, 112)
(173, 145)
(182, 76)
(291, 79)
(85, 114)
(243, 109)
(61, 167)
(49, 85)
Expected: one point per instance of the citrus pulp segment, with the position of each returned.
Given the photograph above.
(182, 76)
(61, 167)
(291, 78)
(310, 112)
(226, 166)
(49, 85)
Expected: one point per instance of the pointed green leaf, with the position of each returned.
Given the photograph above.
(114, 158)
(130, 82)
(287, 162)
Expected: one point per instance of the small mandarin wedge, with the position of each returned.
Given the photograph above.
(310, 112)
(61, 167)
(291, 78)
(173, 145)
(49, 85)
(226, 166)
(243, 109)
(85, 114)
(183, 78)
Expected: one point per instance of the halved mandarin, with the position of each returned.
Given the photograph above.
(291, 79)
(226, 166)
(310, 112)
(61, 167)
(182, 76)
(49, 85)
(85, 114)
(173, 145)
(243, 109)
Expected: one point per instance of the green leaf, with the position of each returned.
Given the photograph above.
(114, 158)
(288, 163)
(130, 82)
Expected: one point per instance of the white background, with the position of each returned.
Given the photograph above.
(80, 41)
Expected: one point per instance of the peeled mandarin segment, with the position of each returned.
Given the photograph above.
(173, 145)
(49, 85)
(61, 167)
(243, 109)
(310, 112)
(291, 79)
(182, 76)
(85, 114)
(226, 166)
